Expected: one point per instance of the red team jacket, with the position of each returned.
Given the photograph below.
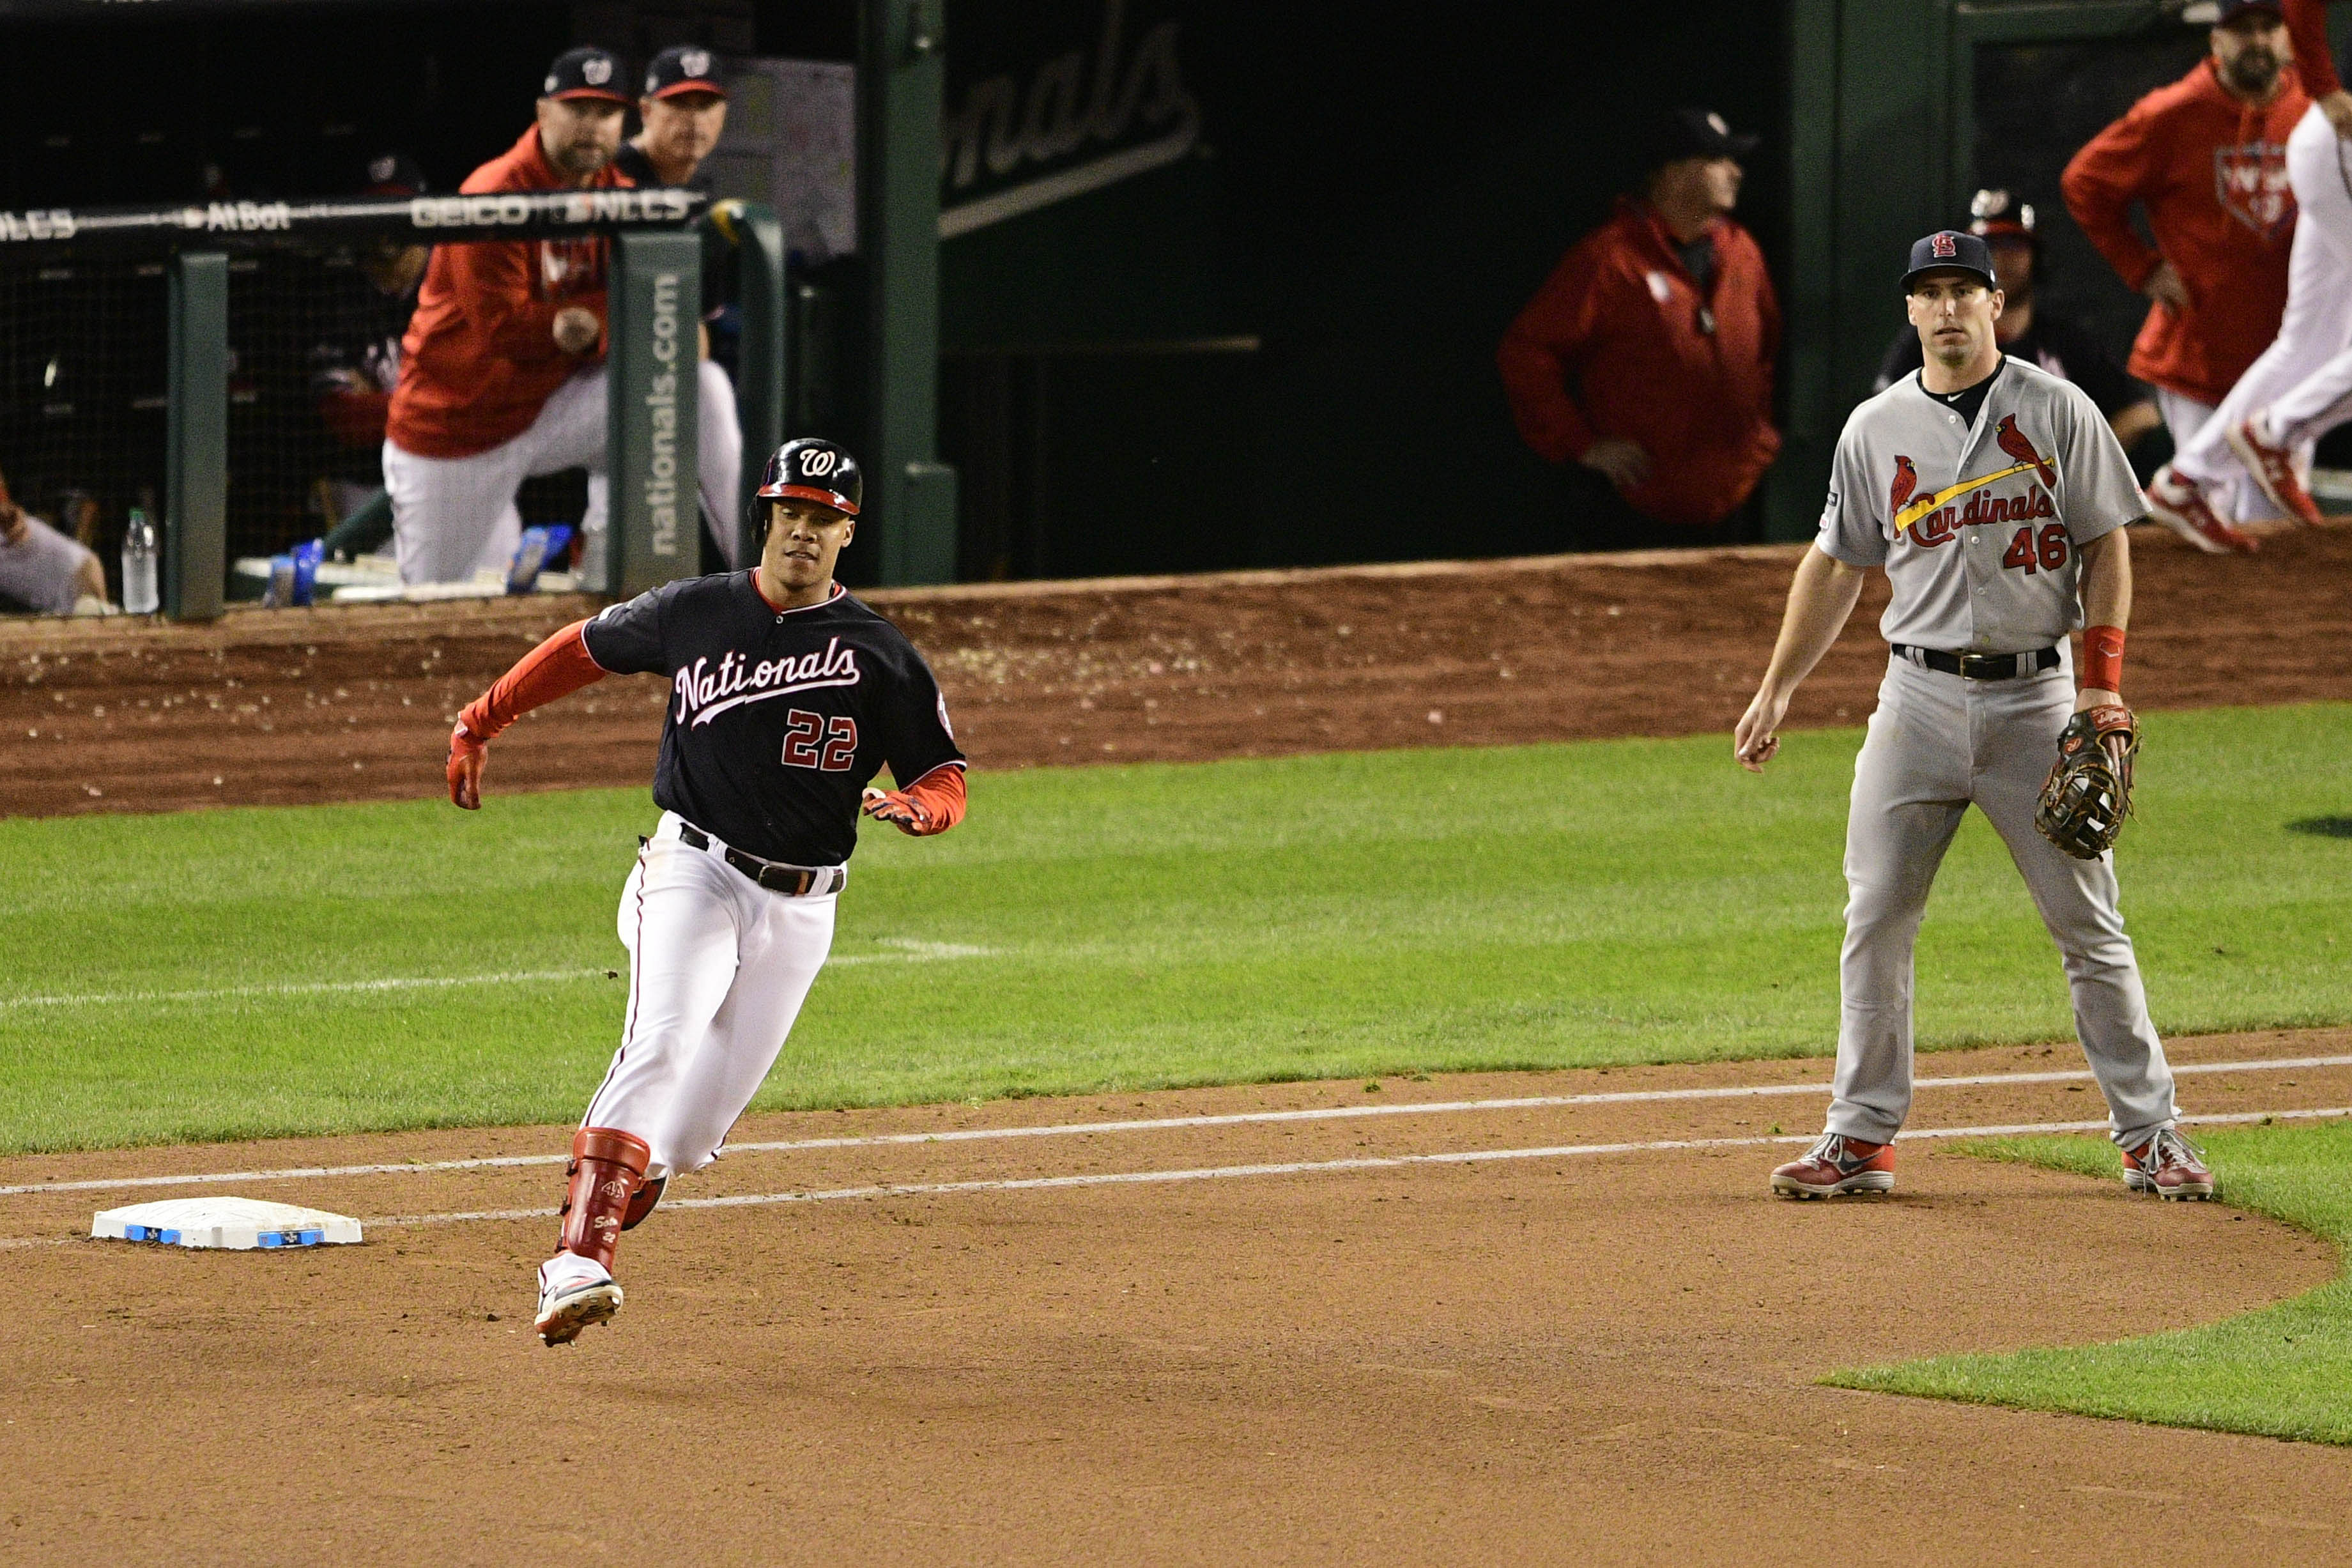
(2211, 173)
(480, 360)
(1614, 344)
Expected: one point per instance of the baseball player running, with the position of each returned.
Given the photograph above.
(788, 697)
(2302, 385)
(1995, 498)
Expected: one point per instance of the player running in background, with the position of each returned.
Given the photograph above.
(1995, 498)
(2301, 386)
(2206, 157)
(684, 110)
(790, 696)
(501, 373)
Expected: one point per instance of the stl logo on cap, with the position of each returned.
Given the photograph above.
(596, 71)
(695, 62)
(1716, 124)
(1944, 246)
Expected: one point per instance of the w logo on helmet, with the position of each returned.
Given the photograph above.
(817, 464)
(1946, 246)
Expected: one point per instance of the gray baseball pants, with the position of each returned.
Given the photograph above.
(1937, 744)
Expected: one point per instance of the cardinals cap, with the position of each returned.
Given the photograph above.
(1949, 250)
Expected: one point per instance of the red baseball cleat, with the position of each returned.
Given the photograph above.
(2181, 507)
(2273, 469)
(2170, 1167)
(1837, 1164)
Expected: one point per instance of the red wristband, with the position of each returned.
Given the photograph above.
(2103, 659)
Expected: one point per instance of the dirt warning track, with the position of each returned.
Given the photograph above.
(355, 702)
(1559, 1357)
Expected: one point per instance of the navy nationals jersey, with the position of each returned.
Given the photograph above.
(777, 719)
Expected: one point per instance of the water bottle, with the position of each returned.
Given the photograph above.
(138, 596)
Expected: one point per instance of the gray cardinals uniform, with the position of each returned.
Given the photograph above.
(1978, 524)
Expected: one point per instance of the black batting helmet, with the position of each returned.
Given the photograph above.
(809, 468)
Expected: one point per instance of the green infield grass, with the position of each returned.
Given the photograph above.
(2283, 1372)
(232, 973)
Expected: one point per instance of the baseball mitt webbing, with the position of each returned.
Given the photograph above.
(2088, 793)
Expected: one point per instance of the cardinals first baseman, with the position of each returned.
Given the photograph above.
(1995, 497)
(789, 696)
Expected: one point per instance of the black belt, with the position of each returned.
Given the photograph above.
(793, 881)
(1980, 666)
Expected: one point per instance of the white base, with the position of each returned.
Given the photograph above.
(237, 1224)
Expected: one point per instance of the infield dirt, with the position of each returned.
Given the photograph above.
(355, 702)
(1598, 1358)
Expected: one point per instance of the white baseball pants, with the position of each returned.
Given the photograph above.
(452, 516)
(2304, 379)
(719, 456)
(718, 968)
(1939, 743)
(2232, 493)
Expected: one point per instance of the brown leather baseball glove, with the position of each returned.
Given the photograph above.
(2088, 793)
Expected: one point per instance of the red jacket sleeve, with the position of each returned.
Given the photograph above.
(494, 280)
(556, 668)
(1543, 351)
(2099, 186)
(2314, 62)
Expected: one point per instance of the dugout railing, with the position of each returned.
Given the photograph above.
(215, 263)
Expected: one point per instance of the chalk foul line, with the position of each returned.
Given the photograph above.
(1358, 1162)
(1154, 1124)
(903, 951)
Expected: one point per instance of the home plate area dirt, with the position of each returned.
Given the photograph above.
(920, 1351)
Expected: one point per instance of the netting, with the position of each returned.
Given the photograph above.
(314, 335)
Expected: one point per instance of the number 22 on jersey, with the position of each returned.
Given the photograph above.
(813, 740)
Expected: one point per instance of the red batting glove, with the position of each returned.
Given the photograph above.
(466, 756)
(901, 813)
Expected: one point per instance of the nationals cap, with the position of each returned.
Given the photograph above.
(587, 73)
(685, 69)
(1699, 133)
(1949, 250)
(394, 175)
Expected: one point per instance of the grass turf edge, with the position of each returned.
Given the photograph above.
(2282, 1371)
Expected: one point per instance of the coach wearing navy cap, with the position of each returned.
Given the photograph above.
(1643, 366)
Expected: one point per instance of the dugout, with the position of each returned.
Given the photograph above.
(1156, 285)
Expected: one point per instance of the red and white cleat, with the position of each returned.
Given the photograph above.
(574, 1293)
(1836, 1166)
(2181, 507)
(2170, 1167)
(2273, 469)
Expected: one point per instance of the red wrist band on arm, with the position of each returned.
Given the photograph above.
(556, 668)
(2103, 659)
(940, 794)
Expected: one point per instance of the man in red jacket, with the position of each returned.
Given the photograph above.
(501, 373)
(1646, 356)
(2206, 158)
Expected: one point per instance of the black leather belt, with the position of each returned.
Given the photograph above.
(793, 881)
(1980, 666)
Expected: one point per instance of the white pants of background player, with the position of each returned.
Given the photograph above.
(2304, 378)
(1939, 743)
(454, 517)
(718, 968)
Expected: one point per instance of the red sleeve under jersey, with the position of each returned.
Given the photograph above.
(940, 794)
(556, 668)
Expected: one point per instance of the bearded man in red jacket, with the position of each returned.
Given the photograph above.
(1646, 357)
